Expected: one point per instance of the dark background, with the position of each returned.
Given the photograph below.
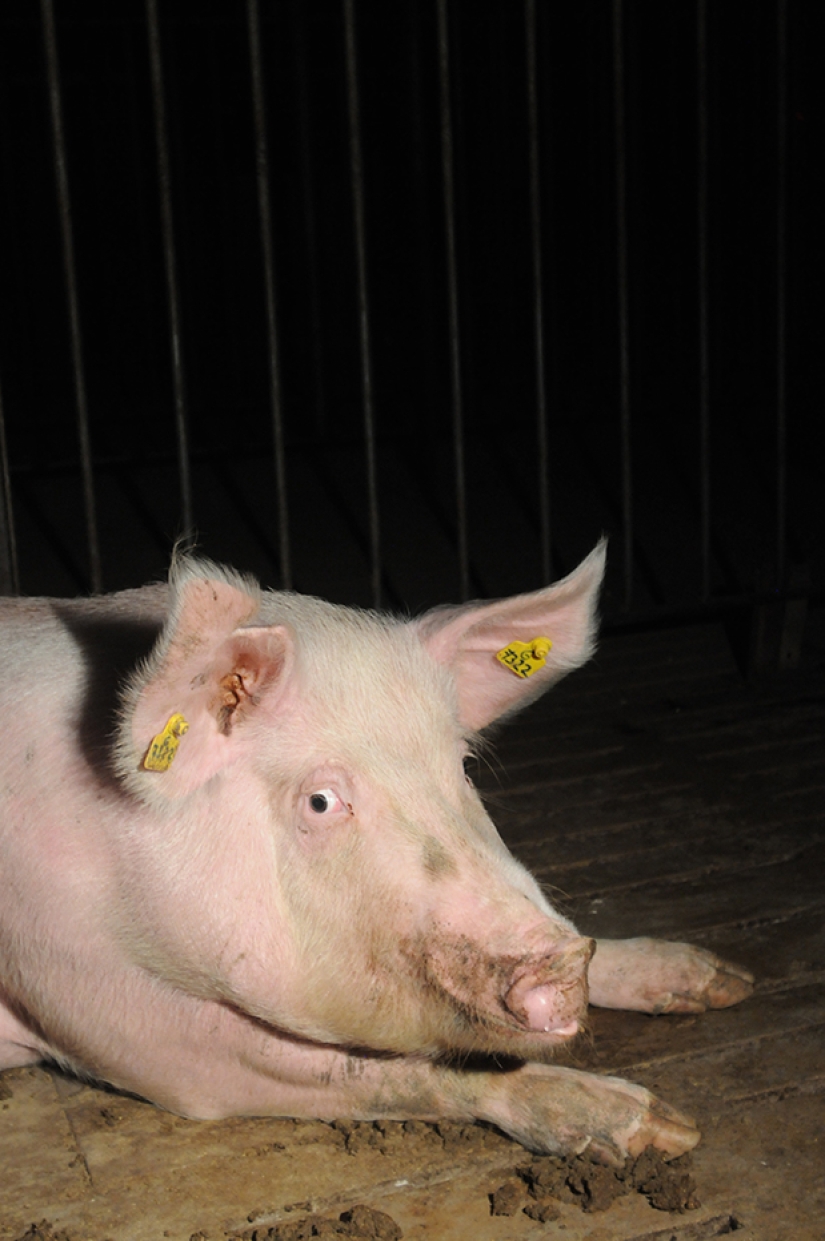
(112, 169)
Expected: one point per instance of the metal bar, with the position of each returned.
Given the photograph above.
(452, 287)
(781, 293)
(170, 265)
(624, 312)
(265, 214)
(704, 333)
(310, 215)
(357, 173)
(67, 238)
(9, 579)
(538, 294)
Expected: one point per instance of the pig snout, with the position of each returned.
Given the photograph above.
(550, 992)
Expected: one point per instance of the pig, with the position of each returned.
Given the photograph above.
(244, 871)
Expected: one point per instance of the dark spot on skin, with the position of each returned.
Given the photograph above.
(437, 861)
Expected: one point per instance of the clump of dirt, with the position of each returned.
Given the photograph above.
(539, 1186)
(392, 1136)
(44, 1231)
(543, 1210)
(595, 1185)
(359, 1223)
(668, 1186)
(509, 1198)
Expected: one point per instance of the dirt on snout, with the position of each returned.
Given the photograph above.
(359, 1223)
(537, 1188)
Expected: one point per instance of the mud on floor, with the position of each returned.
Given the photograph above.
(536, 1187)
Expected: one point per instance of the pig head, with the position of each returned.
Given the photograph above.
(305, 845)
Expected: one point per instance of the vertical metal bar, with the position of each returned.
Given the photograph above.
(9, 580)
(538, 295)
(265, 214)
(624, 313)
(704, 334)
(452, 287)
(170, 264)
(309, 213)
(357, 169)
(67, 238)
(781, 292)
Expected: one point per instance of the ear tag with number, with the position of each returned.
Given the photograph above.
(525, 658)
(164, 746)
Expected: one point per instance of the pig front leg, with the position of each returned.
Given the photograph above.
(656, 976)
(555, 1110)
(547, 1108)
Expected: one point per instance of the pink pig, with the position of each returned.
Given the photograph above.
(243, 871)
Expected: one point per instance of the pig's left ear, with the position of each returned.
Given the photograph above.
(188, 712)
(468, 640)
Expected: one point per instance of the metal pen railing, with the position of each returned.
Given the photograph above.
(454, 246)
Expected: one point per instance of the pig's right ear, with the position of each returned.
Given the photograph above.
(188, 712)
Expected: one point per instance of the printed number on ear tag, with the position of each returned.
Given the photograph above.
(164, 746)
(525, 658)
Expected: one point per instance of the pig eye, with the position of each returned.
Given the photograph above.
(323, 801)
(469, 763)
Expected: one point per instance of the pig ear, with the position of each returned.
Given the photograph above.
(467, 639)
(187, 713)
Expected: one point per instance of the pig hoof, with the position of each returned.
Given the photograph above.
(666, 1129)
(657, 976)
(728, 984)
(556, 1110)
(654, 1124)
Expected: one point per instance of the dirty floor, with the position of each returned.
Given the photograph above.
(655, 792)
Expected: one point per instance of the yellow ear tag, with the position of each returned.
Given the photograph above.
(164, 746)
(525, 658)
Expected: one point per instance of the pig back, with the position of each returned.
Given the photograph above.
(62, 660)
(61, 665)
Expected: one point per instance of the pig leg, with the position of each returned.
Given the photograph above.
(548, 1109)
(555, 1110)
(260, 1072)
(656, 976)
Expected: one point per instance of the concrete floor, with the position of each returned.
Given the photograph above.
(657, 793)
